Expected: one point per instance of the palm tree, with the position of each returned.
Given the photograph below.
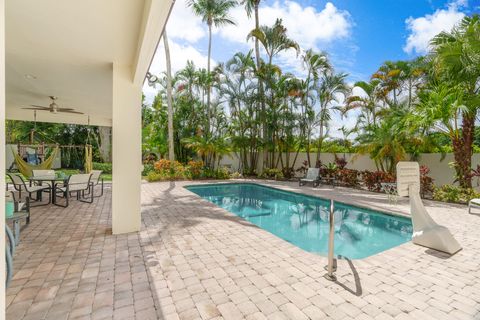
(273, 39)
(387, 142)
(315, 64)
(391, 78)
(253, 5)
(171, 153)
(213, 13)
(328, 91)
(368, 103)
(456, 57)
(440, 108)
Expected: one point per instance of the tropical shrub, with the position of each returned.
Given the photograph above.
(329, 169)
(272, 173)
(166, 170)
(340, 162)
(221, 173)
(451, 193)
(288, 172)
(236, 175)
(373, 179)
(348, 177)
(426, 182)
(147, 168)
(304, 168)
(105, 167)
(194, 169)
(153, 176)
(150, 158)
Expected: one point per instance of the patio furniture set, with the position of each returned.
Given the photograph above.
(58, 186)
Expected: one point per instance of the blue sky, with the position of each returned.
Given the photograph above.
(357, 35)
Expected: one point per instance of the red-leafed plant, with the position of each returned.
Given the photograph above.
(348, 177)
(373, 180)
(341, 162)
(426, 182)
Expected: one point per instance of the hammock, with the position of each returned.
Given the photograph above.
(26, 168)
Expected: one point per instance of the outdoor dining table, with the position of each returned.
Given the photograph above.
(49, 178)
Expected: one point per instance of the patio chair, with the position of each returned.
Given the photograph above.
(77, 183)
(473, 203)
(20, 185)
(21, 210)
(313, 176)
(97, 180)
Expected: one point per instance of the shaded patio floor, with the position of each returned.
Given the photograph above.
(193, 260)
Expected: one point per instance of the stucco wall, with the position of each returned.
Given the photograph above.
(440, 170)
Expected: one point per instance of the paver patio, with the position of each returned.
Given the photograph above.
(193, 260)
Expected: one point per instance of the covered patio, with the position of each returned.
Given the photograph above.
(93, 58)
(193, 260)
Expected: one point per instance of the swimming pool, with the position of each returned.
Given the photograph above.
(303, 220)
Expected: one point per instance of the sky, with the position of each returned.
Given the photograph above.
(358, 36)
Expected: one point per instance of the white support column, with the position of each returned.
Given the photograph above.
(2, 153)
(126, 151)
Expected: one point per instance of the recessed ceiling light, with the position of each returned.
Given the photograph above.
(30, 77)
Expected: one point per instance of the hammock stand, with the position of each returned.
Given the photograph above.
(40, 152)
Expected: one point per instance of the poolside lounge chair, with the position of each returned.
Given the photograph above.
(474, 203)
(313, 176)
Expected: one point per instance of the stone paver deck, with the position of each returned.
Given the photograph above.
(193, 260)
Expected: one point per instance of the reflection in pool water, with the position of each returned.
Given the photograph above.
(303, 220)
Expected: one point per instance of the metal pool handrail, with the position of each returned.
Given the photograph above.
(330, 267)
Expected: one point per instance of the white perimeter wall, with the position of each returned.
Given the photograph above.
(440, 170)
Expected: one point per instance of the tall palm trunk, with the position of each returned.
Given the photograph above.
(465, 160)
(257, 46)
(171, 153)
(260, 82)
(208, 78)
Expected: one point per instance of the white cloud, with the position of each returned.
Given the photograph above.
(304, 24)
(184, 25)
(179, 55)
(307, 25)
(423, 29)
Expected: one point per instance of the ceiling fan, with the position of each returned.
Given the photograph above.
(53, 107)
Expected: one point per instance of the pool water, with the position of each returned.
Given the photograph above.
(303, 220)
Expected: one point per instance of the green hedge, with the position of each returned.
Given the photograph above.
(105, 167)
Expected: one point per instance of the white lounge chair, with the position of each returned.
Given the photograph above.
(474, 203)
(313, 176)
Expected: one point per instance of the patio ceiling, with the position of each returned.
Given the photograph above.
(66, 49)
